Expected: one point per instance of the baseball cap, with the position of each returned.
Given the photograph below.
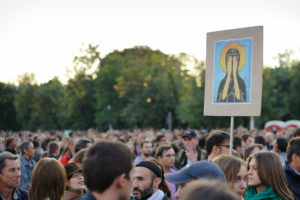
(197, 170)
(189, 133)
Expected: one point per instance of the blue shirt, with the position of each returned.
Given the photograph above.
(26, 172)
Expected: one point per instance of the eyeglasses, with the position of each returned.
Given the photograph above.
(76, 175)
(224, 145)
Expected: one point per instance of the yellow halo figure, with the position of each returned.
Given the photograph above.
(232, 88)
(233, 45)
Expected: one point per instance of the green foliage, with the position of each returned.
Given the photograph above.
(7, 109)
(137, 87)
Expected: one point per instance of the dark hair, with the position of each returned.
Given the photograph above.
(81, 144)
(52, 147)
(6, 155)
(9, 140)
(282, 144)
(215, 139)
(296, 132)
(293, 147)
(245, 137)
(161, 149)
(237, 142)
(23, 146)
(36, 143)
(260, 140)
(201, 142)
(248, 150)
(104, 162)
(159, 137)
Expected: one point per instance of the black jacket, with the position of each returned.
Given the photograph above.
(293, 180)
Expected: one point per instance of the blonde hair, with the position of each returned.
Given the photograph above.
(48, 181)
(230, 165)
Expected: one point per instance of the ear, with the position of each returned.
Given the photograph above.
(156, 182)
(120, 180)
(216, 150)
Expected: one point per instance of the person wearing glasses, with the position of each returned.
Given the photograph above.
(217, 143)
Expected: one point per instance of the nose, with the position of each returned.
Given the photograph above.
(243, 184)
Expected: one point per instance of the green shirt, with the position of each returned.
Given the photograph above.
(266, 194)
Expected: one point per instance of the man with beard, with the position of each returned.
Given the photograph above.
(10, 175)
(146, 180)
(146, 151)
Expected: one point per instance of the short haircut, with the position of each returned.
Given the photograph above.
(36, 143)
(159, 138)
(161, 149)
(81, 144)
(215, 139)
(237, 142)
(104, 162)
(6, 156)
(260, 140)
(52, 147)
(293, 147)
(9, 140)
(23, 146)
(210, 189)
(245, 137)
(144, 142)
(249, 150)
(282, 144)
(296, 132)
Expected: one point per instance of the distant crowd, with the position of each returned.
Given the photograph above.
(150, 165)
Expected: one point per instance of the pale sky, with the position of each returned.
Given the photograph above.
(43, 36)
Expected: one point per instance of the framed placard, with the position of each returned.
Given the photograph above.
(233, 79)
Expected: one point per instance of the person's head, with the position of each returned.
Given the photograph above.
(53, 148)
(160, 139)
(293, 154)
(237, 145)
(11, 142)
(82, 143)
(10, 173)
(109, 164)
(27, 150)
(265, 170)
(247, 139)
(280, 145)
(197, 170)
(296, 132)
(74, 176)
(260, 140)
(147, 178)
(217, 143)
(146, 148)
(36, 144)
(235, 171)
(252, 149)
(208, 189)
(79, 156)
(190, 139)
(166, 156)
(48, 180)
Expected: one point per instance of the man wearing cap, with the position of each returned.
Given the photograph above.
(197, 170)
(146, 180)
(191, 152)
(217, 143)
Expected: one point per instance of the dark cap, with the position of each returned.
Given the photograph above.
(199, 169)
(71, 168)
(189, 133)
(152, 166)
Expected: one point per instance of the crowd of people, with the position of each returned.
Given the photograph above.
(150, 165)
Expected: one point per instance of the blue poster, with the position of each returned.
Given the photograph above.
(232, 71)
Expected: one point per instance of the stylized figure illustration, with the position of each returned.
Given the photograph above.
(232, 88)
